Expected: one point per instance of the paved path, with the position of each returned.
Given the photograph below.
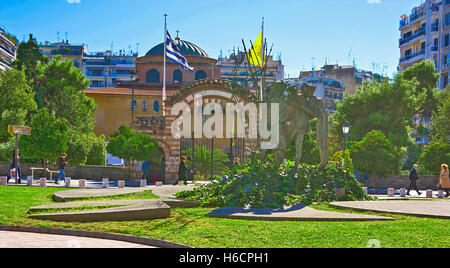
(296, 213)
(428, 209)
(168, 191)
(64, 196)
(34, 240)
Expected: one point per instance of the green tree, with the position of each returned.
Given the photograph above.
(97, 154)
(199, 159)
(434, 156)
(61, 88)
(48, 139)
(28, 57)
(424, 72)
(131, 146)
(412, 156)
(441, 126)
(16, 101)
(374, 154)
(389, 106)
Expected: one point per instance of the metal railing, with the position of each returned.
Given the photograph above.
(408, 39)
(412, 56)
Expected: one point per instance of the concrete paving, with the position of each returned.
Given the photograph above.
(169, 191)
(35, 240)
(125, 210)
(139, 212)
(429, 209)
(296, 213)
(65, 196)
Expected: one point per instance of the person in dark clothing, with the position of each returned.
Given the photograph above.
(183, 170)
(15, 165)
(146, 170)
(414, 177)
(61, 166)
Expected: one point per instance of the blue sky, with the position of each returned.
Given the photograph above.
(299, 29)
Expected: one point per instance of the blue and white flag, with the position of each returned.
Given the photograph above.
(174, 54)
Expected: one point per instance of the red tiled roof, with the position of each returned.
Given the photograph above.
(128, 91)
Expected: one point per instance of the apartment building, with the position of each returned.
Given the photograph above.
(72, 52)
(235, 68)
(7, 51)
(425, 34)
(108, 69)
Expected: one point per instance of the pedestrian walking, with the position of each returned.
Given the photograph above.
(444, 180)
(61, 166)
(414, 177)
(15, 166)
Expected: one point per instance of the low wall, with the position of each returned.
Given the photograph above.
(76, 172)
(401, 181)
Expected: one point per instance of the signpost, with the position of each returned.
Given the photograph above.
(18, 130)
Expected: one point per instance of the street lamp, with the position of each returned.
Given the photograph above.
(345, 130)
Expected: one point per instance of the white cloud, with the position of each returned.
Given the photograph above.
(74, 1)
(374, 1)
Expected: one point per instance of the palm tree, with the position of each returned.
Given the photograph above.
(199, 159)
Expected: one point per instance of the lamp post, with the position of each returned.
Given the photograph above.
(345, 130)
(133, 104)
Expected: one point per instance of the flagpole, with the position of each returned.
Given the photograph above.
(164, 97)
(263, 82)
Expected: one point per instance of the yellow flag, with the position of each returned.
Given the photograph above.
(255, 53)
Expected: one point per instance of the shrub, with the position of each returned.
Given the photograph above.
(434, 156)
(259, 183)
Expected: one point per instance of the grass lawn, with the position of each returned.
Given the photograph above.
(191, 227)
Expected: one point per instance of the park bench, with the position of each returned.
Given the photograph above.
(46, 169)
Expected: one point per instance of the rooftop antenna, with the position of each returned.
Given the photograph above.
(178, 33)
(313, 66)
(350, 53)
(279, 56)
(57, 36)
(67, 40)
(137, 48)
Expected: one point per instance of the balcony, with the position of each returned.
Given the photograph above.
(412, 18)
(412, 56)
(408, 39)
(435, 27)
(11, 52)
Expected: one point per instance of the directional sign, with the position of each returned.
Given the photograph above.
(18, 130)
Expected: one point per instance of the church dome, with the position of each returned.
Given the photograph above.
(186, 48)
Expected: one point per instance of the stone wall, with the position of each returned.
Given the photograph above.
(402, 181)
(76, 172)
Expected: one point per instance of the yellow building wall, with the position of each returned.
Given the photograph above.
(115, 110)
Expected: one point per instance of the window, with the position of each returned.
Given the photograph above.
(144, 106)
(177, 77)
(200, 75)
(156, 106)
(153, 76)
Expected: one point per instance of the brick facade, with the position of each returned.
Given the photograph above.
(163, 133)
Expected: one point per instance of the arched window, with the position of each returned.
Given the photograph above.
(156, 106)
(200, 75)
(177, 77)
(152, 76)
